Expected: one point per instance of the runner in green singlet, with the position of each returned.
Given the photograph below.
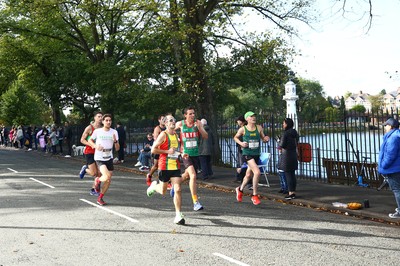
(251, 133)
(190, 129)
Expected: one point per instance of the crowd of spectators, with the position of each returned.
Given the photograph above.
(47, 138)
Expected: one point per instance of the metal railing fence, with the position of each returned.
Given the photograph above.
(346, 137)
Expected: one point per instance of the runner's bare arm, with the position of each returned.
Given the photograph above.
(240, 133)
(262, 136)
(84, 136)
(155, 148)
(202, 131)
(156, 132)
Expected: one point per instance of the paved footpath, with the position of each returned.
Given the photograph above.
(309, 194)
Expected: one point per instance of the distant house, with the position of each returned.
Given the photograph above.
(391, 100)
(358, 99)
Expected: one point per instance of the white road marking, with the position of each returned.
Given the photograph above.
(230, 259)
(12, 170)
(5, 174)
(111, 211)
(41, 175)
(31, 178)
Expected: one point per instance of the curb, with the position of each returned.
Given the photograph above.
(360, 214)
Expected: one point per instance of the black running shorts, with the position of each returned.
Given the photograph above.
(247, 158)
(155, 156)
(109, 164)
(90, 159)
(166, 175)
(191, 160)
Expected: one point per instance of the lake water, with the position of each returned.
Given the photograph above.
(338, 146)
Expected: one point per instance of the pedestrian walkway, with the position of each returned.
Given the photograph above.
(316, 195)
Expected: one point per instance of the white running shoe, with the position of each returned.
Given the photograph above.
(179, 219)
(138, 164)
(151, 189)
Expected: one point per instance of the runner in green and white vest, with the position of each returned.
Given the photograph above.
(190, 130)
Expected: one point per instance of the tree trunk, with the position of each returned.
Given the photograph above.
(176, 44)
(56, 113)
(200, 92)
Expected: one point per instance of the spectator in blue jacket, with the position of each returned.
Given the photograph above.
(389, 160)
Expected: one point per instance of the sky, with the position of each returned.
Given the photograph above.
(342, 54)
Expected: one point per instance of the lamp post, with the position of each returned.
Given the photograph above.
(291, 97)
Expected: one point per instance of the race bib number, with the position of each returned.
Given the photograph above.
(191, 143)
(254, 144)
(107, 154)
(174, 156)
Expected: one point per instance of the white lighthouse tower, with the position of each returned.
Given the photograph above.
(290, 97)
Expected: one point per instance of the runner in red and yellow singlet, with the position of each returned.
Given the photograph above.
(166, 145)
(169, 161)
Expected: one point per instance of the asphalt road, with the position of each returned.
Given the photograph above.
(47, 217)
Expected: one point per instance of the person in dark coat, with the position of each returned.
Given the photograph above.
(205, 151)
(60, 137)
(288, 160)
(122, 142)
(68, 138)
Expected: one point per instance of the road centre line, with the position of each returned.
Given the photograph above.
(12, 170)
(230, 259)
(111, 211)
(31, 178)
